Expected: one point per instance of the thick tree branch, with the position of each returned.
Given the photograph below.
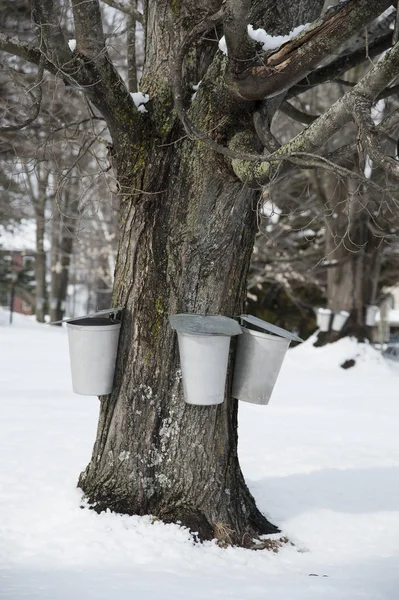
(90, 39)
(176, 66)
(131, 51)
(263, 118)
(95, 75)
(297, 58)
(297, 115)
(341, 65)
(262, 127)
(25, 50)
(239, 46)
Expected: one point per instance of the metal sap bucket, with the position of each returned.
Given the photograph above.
(204, 343)
(259, 358)
(323, 319)
(339, 320)
(93, 345)
(371, 315)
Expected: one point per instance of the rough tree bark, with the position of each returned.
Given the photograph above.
(187, 230)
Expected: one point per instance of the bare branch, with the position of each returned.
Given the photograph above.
(391, 91)
(35, 107)
(25, 50)
(129, 10)
(297, 115)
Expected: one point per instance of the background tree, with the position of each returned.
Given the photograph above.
(189, 173)
(328, 238)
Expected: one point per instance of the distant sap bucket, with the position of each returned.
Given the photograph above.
(53, 303)
(259, 358)
(204, 343)
(323, 319)
(371, 315)
(339, 320)
(93, 346)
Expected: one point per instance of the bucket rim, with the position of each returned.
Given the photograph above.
(199, 325)
(268, 327)
(203, 335)
(78, 325)
(267, 336)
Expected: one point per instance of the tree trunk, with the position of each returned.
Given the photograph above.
(58, 290)
(62, 247)
(40, 260)
(185, 247)
(355, 254)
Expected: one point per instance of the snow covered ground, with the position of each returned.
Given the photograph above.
(322, 461)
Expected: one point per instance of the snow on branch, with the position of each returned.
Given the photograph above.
(266, 76)
(269, 42)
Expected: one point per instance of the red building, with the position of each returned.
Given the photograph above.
(16, 281)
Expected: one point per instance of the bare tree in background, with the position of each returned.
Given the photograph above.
(189, 172)
(330, 237)
(55, 158)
